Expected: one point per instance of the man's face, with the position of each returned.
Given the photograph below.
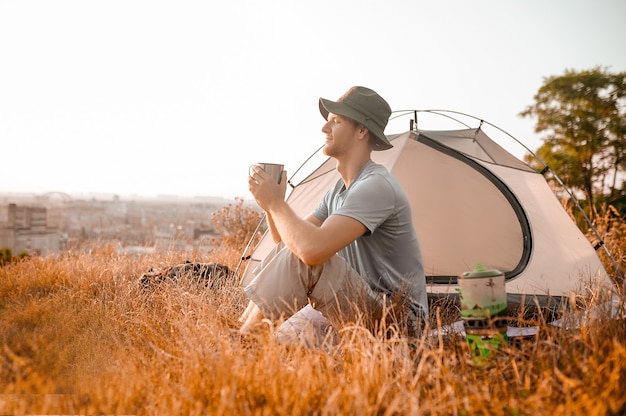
(341, 132)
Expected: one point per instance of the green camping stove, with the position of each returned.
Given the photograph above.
(483, 309)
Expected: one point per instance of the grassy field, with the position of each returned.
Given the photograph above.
(78, 335)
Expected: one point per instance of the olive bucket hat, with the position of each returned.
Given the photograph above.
(364, 106)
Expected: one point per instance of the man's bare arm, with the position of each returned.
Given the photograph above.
(274, 232)
(309, 239)
(272, 227)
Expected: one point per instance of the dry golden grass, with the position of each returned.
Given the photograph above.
(79, 336)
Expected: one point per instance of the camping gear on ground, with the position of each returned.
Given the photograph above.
(483, 309)
(473, 201)
(211, 275)
(273, 169)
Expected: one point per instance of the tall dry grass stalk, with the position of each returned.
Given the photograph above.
(79, 336)
(612, 229)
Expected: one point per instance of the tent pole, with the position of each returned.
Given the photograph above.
(244, 255)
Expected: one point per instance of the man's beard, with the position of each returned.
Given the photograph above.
(331, 150)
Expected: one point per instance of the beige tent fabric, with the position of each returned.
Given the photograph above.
(461, 219)
(463, 189)
(562, 258)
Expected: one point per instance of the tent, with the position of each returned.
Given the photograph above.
(474, 202)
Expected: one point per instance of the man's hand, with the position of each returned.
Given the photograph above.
(265, 190)
(309, 239)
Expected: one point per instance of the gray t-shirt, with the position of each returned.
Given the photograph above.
(388, 255)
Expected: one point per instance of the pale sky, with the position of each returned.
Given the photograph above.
(147, 97)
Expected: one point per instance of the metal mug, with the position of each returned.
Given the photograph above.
(273, 169)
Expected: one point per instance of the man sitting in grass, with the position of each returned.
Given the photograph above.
(356, 257)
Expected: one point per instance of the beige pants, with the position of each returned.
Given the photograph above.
(283, 285)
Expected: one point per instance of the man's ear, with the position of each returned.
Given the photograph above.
(363, 131)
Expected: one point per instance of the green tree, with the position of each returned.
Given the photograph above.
(582, 116)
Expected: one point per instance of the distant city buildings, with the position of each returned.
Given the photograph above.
(45, 224)
(27, 230)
